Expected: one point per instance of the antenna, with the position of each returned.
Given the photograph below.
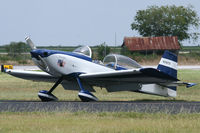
(115, 39)
(115, 42)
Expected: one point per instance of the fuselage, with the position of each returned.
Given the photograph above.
(58, 63)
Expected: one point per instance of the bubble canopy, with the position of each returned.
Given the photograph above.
(85, 50)
(120, 60)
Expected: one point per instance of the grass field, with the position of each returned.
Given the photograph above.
(84, 122)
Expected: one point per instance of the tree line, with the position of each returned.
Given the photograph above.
(16, 49)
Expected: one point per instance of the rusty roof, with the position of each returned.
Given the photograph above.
(151, 43)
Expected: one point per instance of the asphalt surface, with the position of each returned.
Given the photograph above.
(104, 106)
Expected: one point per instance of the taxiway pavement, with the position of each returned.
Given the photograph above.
(101, 106)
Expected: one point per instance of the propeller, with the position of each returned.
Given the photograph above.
(30, 43)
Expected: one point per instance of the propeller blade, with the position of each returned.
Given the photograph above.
(30, 43)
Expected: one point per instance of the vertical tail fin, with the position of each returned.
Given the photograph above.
(168, 64)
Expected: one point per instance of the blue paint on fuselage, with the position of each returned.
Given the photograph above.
(45, 53)
(118, 67)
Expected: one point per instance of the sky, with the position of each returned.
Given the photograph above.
(75, 22)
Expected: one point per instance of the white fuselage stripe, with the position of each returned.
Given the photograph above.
(168, 63)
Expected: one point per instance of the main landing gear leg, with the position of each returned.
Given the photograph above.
(85, 95)
(46, 96)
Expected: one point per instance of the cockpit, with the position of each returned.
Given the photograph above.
(84, 50)
(120, 62)
(114, 61)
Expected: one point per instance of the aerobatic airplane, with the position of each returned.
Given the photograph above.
(77, 71)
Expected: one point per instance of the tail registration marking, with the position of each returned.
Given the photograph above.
(168, 63)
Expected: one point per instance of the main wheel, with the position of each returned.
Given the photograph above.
(86, 96)
(45, 96)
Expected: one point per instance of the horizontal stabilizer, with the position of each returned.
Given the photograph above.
(190, 85)
(179, 83)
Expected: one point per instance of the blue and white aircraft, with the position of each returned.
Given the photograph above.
(77, 71)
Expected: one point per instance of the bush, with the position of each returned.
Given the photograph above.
(16, 48)
(102, 51)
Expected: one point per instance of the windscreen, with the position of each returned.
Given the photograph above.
(127, 62)
(85, 50)
(120, 60)
(109, 59)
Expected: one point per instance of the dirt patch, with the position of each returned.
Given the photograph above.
(182, 60)
(188, 61)
(16, 63)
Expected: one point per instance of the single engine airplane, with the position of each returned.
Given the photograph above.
(77, 71)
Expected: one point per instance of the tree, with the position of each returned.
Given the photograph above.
(16, 48)
(102, 50)
(125, 51)
(167, 21)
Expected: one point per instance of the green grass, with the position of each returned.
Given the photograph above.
(190, 48)
(19, 59)
(193, 93)
(86, 122)
(83, 122)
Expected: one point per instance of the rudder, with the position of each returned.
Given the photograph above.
(168, 64)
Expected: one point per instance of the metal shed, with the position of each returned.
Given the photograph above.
(151, 43)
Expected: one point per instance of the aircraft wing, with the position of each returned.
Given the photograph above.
(31, 75)
(143, 75)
